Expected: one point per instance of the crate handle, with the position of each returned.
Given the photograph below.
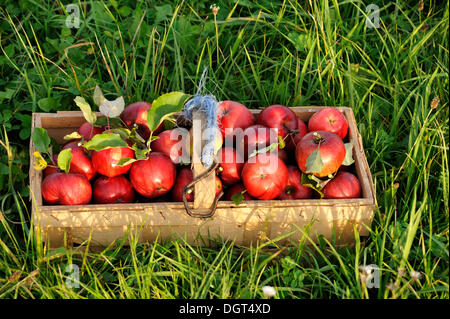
(189, 186)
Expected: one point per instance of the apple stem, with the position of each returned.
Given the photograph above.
(109, 127)
(318, 139)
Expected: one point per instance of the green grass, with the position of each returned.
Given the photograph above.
(294, 53)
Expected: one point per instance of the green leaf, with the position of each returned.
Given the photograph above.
(125, 161)
(47, 104)
(237, 198)
(98, 96)
(64, 158)
(281, 142)
(268, 149)
(164, 106)
(72, 136)
(140, 153)
(86, 109)
(314, 162)
(105, 140)
(348, 160)
(123, 132)
(40, 139)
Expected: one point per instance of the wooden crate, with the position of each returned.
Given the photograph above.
(244, 224)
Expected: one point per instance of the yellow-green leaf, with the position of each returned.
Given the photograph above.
(39, 162)
(64, 159)
(86, 109)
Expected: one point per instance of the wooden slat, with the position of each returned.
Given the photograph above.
(204, 189)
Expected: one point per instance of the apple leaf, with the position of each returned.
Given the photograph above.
(125, 161)
(98, 96)
(112, 108)
(39, 162)
(237, 198)
(72, 136)
(123, 132)
(86, 109)
(41, 140)
(164, 106)
(64, 158)
(268, 149)
(314, 162)
(348, 160)
(105, 140)
(281, 142)
(139, 153)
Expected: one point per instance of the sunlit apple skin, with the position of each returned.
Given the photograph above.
(137, 113)
(153, 176)
(87, 131)
(294, 188)
(332, 152)
(329, 119)
(66, 189)
(265, 177)
(185, 176)
(170, 144)
(232, 115)
(231, 164)
(105, 161)
(343, 185)
(237, 188)
(278, 117)
(110, 190)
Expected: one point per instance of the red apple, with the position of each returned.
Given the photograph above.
(169, 143)
(279, 117)
(110, 190)
(153, 176)
(105, 161)
(265, 176)
(185, 176)
(231, 164)
(233, 115)
(237, 188)
(255, 137)
(136, 113)
(343, 185)
(283, 155)
(66, 189)
(329, 119)
(80, 163)
(88, 131)
(292, 141)
(73, 145)
(49, 170)
(294, 188)
(331, 149)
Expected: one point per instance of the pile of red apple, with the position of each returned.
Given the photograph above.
(274, 155)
